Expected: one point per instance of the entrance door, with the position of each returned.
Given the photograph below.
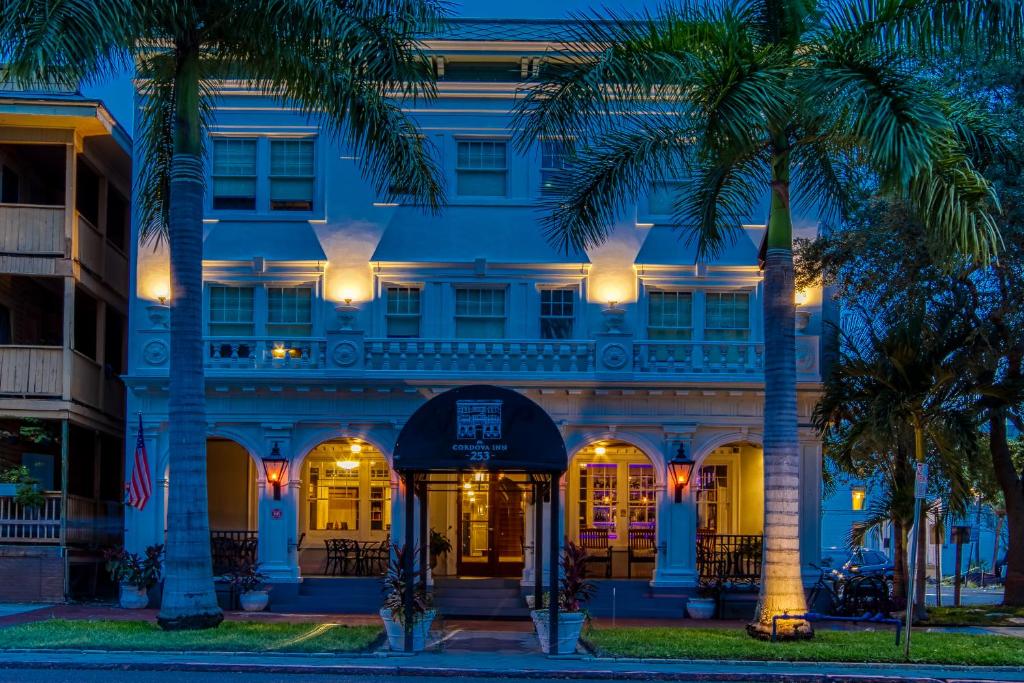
(490, 513)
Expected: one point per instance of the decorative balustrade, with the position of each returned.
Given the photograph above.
(28, 524)
(265, 352)
(696, 357)
(479, 356)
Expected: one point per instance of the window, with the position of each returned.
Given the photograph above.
(403, 312)
(482, 168)
(670, 315)
(603, 493)
(10, 185)
(714, 502)
(290, 311)
(292, 178)
(642, 492)
(556, 313)
(479, 313)
(554, 162)
(726, 316)
(231, 311)
(333, 498)
(234, 173)
(661, 201)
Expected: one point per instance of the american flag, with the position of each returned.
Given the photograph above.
(138, 486)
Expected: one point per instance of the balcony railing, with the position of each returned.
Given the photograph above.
(265, 352)
(88, 521)
(694, 357)
(480, 356)
(31, 370)
(32, 230)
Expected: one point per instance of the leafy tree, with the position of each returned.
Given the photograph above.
(343, 62)
(748, 98)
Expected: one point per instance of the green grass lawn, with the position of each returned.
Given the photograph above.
(827, 646)
(978, 615)
(229, 636)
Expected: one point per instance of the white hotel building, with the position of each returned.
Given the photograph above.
(332, 315)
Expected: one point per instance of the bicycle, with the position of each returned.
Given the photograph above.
(851, 596)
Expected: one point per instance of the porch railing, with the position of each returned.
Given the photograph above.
(687, 357)
(729, 558)
(87, 522)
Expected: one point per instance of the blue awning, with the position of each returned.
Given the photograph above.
(465, 234)
(272, 240)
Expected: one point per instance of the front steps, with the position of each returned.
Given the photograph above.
(479, 599)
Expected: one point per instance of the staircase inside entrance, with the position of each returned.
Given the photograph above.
(491, 598)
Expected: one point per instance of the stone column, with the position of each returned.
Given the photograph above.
(676, 564)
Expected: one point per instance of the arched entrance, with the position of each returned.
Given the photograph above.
(729, 495)
(612, 509)
(344, 504)
(233, 504)
(482, 441)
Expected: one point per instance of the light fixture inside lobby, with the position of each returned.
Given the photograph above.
(356, 447)
(347, 465)
(600, 450)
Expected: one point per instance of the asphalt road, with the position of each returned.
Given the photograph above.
(93, 676)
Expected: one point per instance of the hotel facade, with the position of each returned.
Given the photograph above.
(332, 314)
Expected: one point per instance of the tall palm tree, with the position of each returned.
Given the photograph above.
(894, 398)
(784, 98)
(343, 62)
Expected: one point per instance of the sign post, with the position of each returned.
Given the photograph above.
(920, 492)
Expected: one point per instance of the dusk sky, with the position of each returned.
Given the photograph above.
(118, 93)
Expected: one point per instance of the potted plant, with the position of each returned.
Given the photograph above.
(574, 592)
(392, 611)
(703, 606)
(439, 545)
(251, 584)
(19, 484)
(134, 574)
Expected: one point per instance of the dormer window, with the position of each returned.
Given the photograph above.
(234, 173)
(555, 160)
(292, 178)
(482, 168)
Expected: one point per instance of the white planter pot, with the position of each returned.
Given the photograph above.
(254, 601)
(570, 625)
(700, 608)
(133, 597)
(396, 631)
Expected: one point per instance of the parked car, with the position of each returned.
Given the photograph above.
(861, 561)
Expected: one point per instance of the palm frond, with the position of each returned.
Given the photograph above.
(67, 42)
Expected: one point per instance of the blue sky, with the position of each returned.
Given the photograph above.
(118, 93)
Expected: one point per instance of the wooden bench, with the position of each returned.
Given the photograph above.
(599, 550)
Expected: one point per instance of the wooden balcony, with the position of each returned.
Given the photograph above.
(32, 230)
(87, 521)
(31, 370)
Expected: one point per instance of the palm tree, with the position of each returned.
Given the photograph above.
(752, 97)
(894, 398)
(340, 61)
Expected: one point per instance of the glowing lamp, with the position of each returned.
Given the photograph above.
(356, 448)
(278, 351)
(162, 292)
(800, 297)
(276, 469)
(600, 450)
(681, 467)
(347, 465)
(857, 495)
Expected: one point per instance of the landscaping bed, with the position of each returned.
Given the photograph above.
(977, 615)
(236, 636)
(827, 646)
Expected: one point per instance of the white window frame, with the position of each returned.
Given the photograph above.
(649, 295)
(553, 170)
(227, 140)
(750, 314)
(461, 168)
(264, 179)
(271, 326)
(502, 289)
(573, 293)
(311, 176)
(210, 322)
(389, 315)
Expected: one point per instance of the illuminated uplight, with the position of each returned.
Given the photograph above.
(600, 450)
(857, 495)
(356, 448)
(347, 465)
(800, 297)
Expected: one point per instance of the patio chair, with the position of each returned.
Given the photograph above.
(599, 550)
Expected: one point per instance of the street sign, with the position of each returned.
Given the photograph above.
(921, 481)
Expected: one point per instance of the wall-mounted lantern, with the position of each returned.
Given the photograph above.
(857, 495)
(276, 469)
(681, 467)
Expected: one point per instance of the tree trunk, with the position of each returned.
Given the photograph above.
(782, 589)
(899, 559)
(1013, 492)
(189, 600)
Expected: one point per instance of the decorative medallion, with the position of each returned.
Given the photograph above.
(345, 353)
(804, 357)
(155, 352)
(614, 356)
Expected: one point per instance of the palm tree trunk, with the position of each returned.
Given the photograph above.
(899, 558)
(189, 600)
(782, 588)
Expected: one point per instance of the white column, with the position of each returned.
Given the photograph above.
(676, 563)
(278, 519)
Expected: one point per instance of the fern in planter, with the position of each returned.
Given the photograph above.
(25, 494)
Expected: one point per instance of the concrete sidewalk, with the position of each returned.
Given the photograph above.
(504, 665)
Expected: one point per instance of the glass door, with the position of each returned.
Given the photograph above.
(491, 510)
